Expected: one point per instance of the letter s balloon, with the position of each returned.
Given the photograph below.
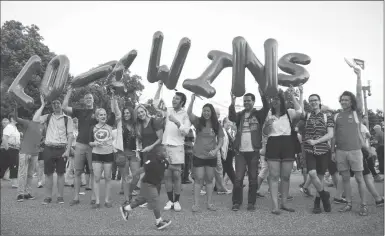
(55, 77)
(298, 74)
(17, 87)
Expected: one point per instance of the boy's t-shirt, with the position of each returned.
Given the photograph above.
(154, 170)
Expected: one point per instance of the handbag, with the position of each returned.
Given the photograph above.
(294, 136)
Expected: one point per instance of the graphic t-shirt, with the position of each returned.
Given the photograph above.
(206, 141)
(246, 143)
(86, 119)
(32, 137)
(154, 170)
(103, 135)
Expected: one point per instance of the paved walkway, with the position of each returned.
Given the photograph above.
(32, 218)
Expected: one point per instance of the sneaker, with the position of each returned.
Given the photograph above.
(177, 206)
(28, 197)
(60, 200)
(39, 185)
(317, 207)
(20, 198)
(224, 192)
(250, 207)
(108, 204)
(144, 205)
(380, 203)
(211, 207)
(74, 202)
(260, 195)
(339, 201)
(93, 202)
(378, 178)
(163, 224)
(123, 212)
(195, 208)
(363, 210)
(169, 205)
(306, 191)
(87, 189)
(236, 207)
(95, 206)
(47, 201)
(203, 192)
(289, 198)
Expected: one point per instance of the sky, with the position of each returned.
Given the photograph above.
(91, 33)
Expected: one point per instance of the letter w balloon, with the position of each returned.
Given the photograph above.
(17, 87)
(55, 77)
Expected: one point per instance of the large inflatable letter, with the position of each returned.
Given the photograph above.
(271, 69)
(17, 87)
(298, 74)
(55, 77)
(169, 77)
(202, 84)
(91, 76)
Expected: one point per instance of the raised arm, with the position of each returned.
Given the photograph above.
(36, 116)
(115, 108)
(233, 115)
(190, 114)
(359, 90)
(300, 87)
(18, 119)
(296, 114)
(65, 106)
(266, 107)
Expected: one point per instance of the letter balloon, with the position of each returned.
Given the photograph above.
(17, 87)
(91, 76)
(202, 84)
(55, 77)
(154, 74)
(271, 69)
(297, 74)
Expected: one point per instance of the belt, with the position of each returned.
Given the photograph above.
(58, 146)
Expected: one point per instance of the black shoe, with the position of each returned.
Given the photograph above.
(20, 198)
(326, 201)
(251, 207)
(380, 203)
(163, 224)
(47, 201)
(236, 207)
(317, 205)
(340, 201)
(215, 189)
(28, 197)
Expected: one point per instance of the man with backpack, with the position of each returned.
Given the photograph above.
(57, 146)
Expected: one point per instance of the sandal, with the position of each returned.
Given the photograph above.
(346, 208)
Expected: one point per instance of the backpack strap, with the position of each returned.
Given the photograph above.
(325, 119)
(335, 118)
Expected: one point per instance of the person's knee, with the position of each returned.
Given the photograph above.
(78, 173)
(359, 177)
(209, 180)
(313, 174)
(273, 177)
(345, 176)
(97, 178)
(176, 175)
(199, 180)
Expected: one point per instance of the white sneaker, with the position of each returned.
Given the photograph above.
(168, 206)
(177, 206)
(203, 192)
(143, 205)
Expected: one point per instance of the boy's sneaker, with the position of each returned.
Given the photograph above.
(177, 206)
(60, 200)
(47, 201)
(163, 224)
(339, 201)
(20, 197)
(28, 197)
(39, 185)
(123, 212)
(380, 203)
(169, 206)
(144, 205)
(306, 191)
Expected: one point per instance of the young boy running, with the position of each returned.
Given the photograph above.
(150, 189)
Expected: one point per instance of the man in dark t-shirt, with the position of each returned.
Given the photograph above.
(83, 151)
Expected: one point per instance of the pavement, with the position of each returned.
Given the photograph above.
(32, 218)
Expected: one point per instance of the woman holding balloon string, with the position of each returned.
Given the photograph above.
(280, 151)
(209, 140)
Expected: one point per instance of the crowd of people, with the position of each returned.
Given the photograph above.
(176, 144)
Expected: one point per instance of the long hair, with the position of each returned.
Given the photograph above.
(282, 105)
(131, 121)
(138, 128)
(352, 99)
(213, 119)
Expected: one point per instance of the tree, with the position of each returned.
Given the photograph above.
(18, 43)
(375, 118)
